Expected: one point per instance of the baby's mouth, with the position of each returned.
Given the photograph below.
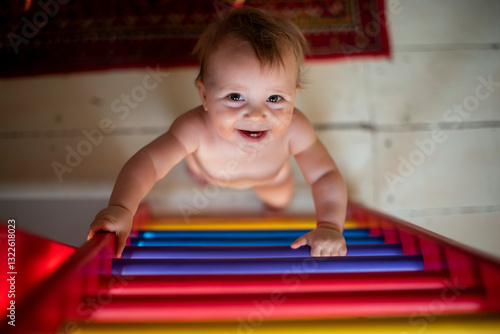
(253, 136)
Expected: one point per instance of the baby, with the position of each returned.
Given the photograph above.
(250, 72)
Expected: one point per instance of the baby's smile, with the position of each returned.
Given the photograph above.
(253, 136)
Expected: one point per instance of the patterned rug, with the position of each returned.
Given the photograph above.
(60, 36)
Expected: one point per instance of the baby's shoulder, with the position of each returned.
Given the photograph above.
(300, 123)
(300, 133)
(189, 128)
(191, 118)
(191, 122)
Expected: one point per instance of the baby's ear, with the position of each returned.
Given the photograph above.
(201, 90)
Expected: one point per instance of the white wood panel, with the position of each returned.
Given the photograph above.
(32, 159)
(424, 170)
(444, 21)
(422, 87)
(334, 92)
(131, 98)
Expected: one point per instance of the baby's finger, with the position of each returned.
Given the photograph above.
(121, 242)
(342, 250)
(94, 228)
(327, 252)
(301, 241)
(316, 251)
(90, 234)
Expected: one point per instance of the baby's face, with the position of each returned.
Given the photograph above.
(248, 104)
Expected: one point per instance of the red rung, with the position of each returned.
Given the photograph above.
(431, 253)
(491, 281)
(289, 306)
(288, 283)
(409, 243)
(390, 233)
(462, 267)
(374, 225)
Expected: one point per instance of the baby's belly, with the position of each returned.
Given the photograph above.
(232, 176)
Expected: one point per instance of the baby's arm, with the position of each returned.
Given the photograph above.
(137, 178)
(328, 190)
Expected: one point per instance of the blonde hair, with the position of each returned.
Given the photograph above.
(268, 35)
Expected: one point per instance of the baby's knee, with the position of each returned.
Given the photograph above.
(286, 194)
(281, 202)
(276, 196)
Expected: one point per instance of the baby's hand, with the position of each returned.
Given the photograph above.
(113, 219)
(324, 241)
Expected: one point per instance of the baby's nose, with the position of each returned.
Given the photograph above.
(257, 114)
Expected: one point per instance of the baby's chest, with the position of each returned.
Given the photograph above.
(221, 164)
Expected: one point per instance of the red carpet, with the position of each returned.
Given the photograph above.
(58, 36)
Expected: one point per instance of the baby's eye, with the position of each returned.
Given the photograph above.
(274, 98)
(235, 97)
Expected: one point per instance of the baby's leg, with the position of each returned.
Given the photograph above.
(276, 195)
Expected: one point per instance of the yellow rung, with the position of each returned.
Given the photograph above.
(459, 324)
(243, 224)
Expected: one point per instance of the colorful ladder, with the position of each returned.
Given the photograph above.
(241, 277)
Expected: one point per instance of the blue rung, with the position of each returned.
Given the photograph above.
(343, 264)
(151, 234)
(271, 241)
